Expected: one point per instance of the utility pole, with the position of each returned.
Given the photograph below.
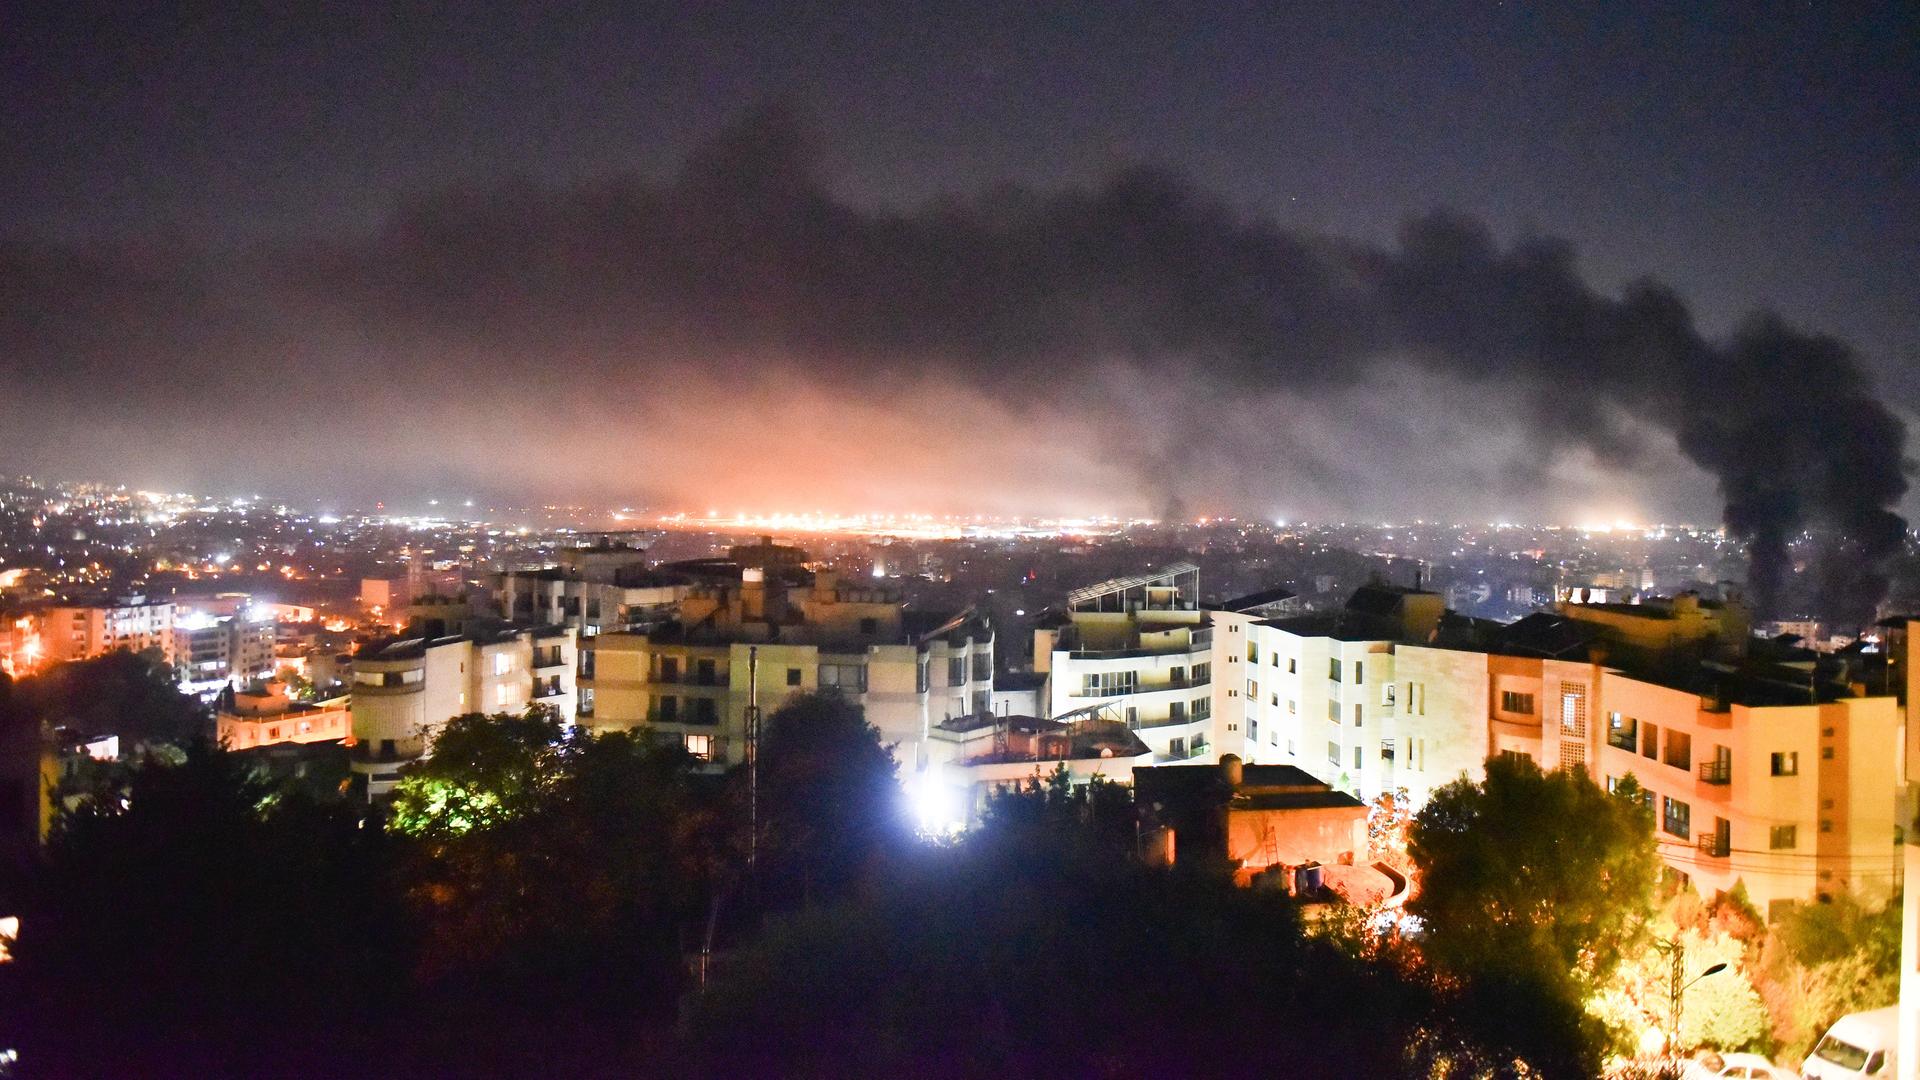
(1677, 984)
(753, 756)
(1678, 954)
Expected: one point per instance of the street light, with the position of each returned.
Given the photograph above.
(1676, 987)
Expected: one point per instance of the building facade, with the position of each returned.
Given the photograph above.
(134, 623)
(405, 689)
(768, 635)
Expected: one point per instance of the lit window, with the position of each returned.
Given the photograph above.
(1786, 764)
(700, 746)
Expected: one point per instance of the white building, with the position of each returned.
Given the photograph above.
(405, 689)
(211, 651)
(133, 623)
(1183, 676)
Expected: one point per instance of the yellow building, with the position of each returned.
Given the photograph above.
(770, 634)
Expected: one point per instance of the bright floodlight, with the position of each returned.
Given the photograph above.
(936, 806)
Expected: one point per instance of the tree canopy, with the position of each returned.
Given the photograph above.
(132, 695)
(1530, 872)
(830, 799)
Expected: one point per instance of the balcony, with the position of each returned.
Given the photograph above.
(1715, 845)
(1718, 771)
(1139, 688)
(1627, 739)
(1169, 721)
(691, 678)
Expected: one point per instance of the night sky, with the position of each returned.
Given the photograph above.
(314, 253)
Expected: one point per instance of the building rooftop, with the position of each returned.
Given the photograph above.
(1261, 787)
(1168, 577)
(1019, 681)
(1329, 624)
(1545, 634)
(1382, 599)
(1263, 598)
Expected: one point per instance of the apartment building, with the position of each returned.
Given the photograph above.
(211, 651)
(1767, 765)
(562, 596)
(406, 688)
(600, 587)
(266, 716)
(1138, 651)
(1184, 676)
(765, 634)
(134, 623)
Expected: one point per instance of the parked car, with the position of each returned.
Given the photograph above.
(1754, 1067)
(1859, 1044)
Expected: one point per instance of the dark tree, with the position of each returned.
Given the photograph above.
(560, 879)
(204, 923)
(132, 695)
(830, 801)
(1029, 951)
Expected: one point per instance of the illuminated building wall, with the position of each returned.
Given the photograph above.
(406, 689)
(270, 719)
(1794, 800)
(1323, 703)
(234, 649)
(21, 651)
(134, 624)
(689, 679)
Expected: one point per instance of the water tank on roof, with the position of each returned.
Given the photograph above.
(1307, 879)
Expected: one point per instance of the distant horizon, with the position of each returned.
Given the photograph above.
(638, 517)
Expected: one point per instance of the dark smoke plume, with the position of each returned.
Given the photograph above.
(744, 262)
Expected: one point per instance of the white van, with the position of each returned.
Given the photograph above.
(1859, 1044)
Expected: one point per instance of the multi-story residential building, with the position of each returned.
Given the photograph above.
(134, 623)
(1138, 651)
(1145, 652)
(265, 716)
(211, 651)
(765, 635)
(564, 596)
(1766, 766)
(406, 688)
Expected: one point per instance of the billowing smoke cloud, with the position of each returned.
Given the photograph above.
(1136, 314)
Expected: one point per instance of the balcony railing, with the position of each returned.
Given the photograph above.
(1717, 771)
(691, 678)
(1715, 845)
(1624, 740)
(1137, 688)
